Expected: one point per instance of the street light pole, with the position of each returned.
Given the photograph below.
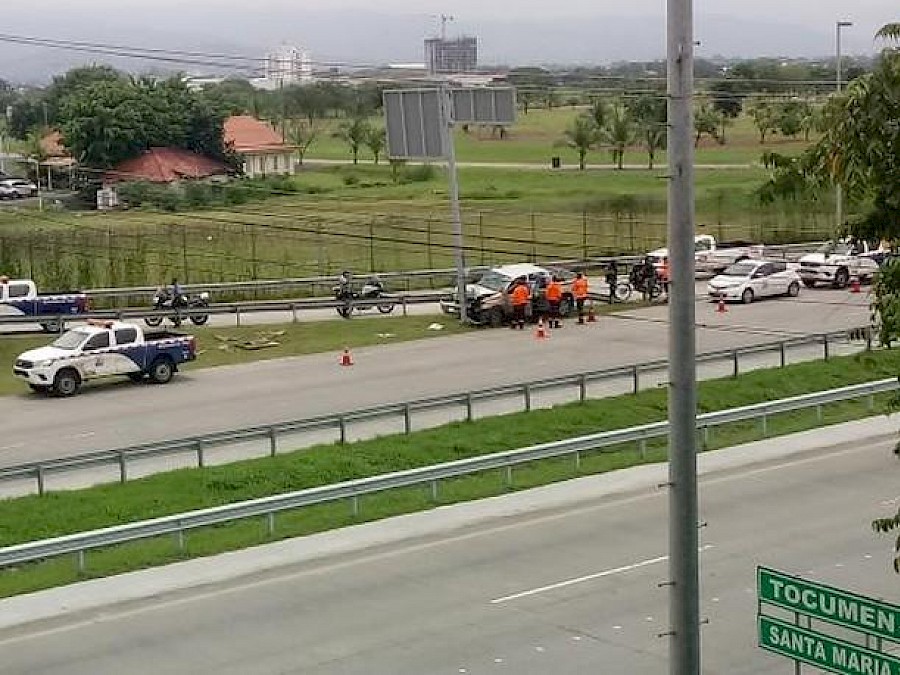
(839, 189)
(684, 563)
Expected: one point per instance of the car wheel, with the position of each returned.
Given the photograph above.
(809, 284)
(51, 326)
(199, 319)
(793, 290)
(841, 278)
(162, 370)
(67, 382)
(747, 296)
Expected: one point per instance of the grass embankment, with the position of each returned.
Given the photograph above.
(61, 513)
(216, 344)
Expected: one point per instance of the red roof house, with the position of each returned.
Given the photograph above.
(166, 165)
(263, 148)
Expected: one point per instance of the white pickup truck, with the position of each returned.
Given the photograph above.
(103, 349)
(711, 257)
(837, 262)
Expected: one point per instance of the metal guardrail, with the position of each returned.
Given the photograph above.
(269, 506)
(341, 422)
(406, 279)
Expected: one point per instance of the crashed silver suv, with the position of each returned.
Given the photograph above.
(488, 299)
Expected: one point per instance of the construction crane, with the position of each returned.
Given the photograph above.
(445, 18)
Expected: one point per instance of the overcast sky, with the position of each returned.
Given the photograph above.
(360, 31)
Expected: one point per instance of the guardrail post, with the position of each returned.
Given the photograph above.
(825, 352)
(782, 350)
(273, 441)
(764, 425)
(819, 413)
(469, 406)
(577, 454)
(354, 506)
(293, 313)
(270, 523)
(526, 392)
(705, 433)
(582, 388)
(734, 359)
(635, 375)
(39, 475)
(508, 476)
(642, 448)
(201, 458)
(434, 490)
(404, 305)
(123, 468)
(870, 403)
(237, 316)
(179, 540)
(342, 426)
(407, 418)
(79, 561)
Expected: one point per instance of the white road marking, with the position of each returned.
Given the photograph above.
(587, 577)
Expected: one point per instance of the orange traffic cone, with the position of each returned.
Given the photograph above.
(722, 308)
(855, 286)
(591, 316)
(541, 332)
(346, 357)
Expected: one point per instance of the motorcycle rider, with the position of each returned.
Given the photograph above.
(344, 292)
(612, 276)
(177, 294)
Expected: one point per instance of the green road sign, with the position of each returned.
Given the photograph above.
(836, 656)
(828, 604)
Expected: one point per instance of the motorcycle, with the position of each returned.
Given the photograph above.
(163, 302)
(646, 283)
(373, 289)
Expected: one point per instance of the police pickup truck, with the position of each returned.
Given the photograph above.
(103, 349)
(836, 263)
(19, 297)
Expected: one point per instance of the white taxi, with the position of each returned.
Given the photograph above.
(749, 280)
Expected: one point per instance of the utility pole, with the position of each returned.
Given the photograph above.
(838, 188)
(450, 154)
(684, 564)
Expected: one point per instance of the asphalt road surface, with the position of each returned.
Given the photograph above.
(118, 414)
(575, 589)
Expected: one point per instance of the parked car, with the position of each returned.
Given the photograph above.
(837, 262)
(104, 349)
(488, 299)
(22, 188)
(8, 191)
(749, 280)
(711, 256)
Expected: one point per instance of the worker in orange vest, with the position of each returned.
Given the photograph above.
(521, 296)
(554, 297)
(580, 291)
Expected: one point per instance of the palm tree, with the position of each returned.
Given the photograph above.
(889, 32)
(653, 138)
(619, 134)
(599, 112)
(581, 135)
(354, 134)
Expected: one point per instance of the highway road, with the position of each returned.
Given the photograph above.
(120, 414)
(573, 588)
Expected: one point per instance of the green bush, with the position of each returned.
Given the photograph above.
(419, 173)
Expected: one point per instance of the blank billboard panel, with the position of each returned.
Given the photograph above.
(414, 121)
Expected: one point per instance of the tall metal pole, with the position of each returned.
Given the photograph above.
(450, 153)
(838, 188)
(684, 599)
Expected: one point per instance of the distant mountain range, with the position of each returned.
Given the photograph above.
(374, 38)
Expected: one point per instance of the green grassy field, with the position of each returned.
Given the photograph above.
(61, 513)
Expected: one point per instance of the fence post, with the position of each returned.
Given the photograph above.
(273, 441)
(636, 377)
(39, 474)
(526, 393)
(469, 416)
(582, 388)
(123, 468)
(734, 358)
(781, 349)
(407, 418)
(342, 426)
(201, 459)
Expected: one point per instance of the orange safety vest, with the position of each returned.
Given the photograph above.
(554, 291)
(521, 295)
(665, 270)
(580, 288)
